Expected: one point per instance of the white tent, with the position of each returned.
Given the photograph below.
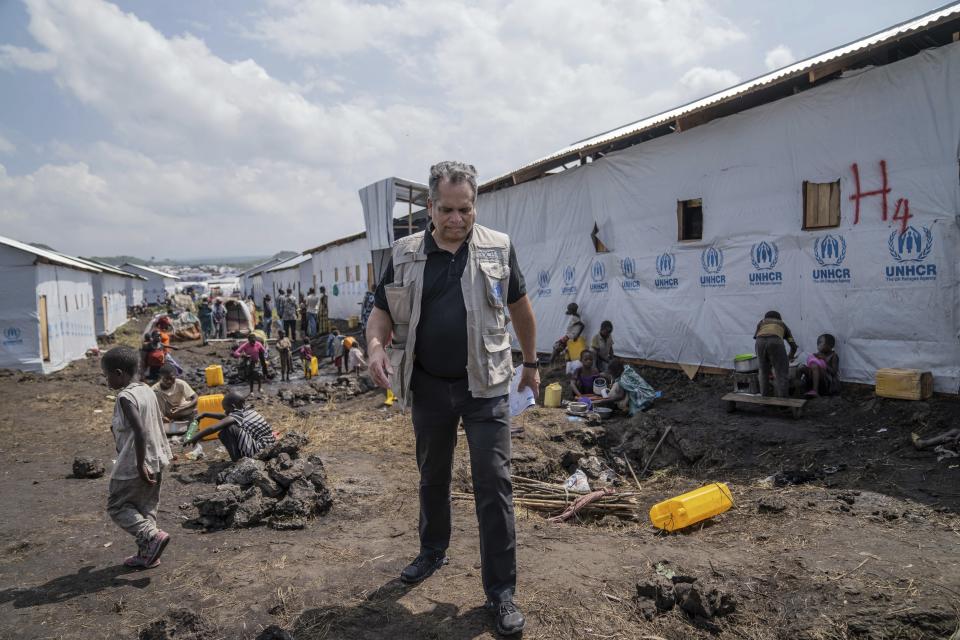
(881, 142)
(344, 269)
(287, 275)
(158, 284)
(47, 315)
(134, 291)
(110, 295)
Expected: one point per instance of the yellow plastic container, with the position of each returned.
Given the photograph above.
(214, 375)
(904, 384)
(212, 403)
(576, 347)
(552, 395)
(691, 507)
(314, 366)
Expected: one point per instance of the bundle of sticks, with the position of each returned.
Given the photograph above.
(555, 500)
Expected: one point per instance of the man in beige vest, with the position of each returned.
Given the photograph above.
(438, 336)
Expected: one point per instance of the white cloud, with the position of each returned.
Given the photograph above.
(703, 81)
(224, 145)
(13, 57)
(778, 57)
(6, 147)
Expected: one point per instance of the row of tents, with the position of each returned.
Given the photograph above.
(55, 305)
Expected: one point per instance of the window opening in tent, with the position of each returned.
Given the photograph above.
(821, 205)
(314, 281)
(690, 219)
(346, 271)
(66, 304)
(598, 245)
(321, 276)
(44, 330)
(336, 274)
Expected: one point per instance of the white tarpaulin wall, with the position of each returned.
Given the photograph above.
(111, 287)
(134, 289)
(69, 294)
(331, 266)
(890, 299)
(377, 201)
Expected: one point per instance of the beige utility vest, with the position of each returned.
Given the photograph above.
(485, 284)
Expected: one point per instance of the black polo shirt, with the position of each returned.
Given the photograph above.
(441, 348)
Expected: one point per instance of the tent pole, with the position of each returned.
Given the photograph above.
(410, 212)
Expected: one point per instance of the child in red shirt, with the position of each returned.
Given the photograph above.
(253, 351)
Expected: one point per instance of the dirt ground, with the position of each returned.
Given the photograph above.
(867, 545)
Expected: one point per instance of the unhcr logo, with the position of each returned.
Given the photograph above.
(910, 249)
(830, 252)
(711, 259)
(666, 265)
(569, 278)
(12, 335)
(543, 280)
(764, 257)
(628, 267)
(598, 273)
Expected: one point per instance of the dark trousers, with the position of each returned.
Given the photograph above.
(438, 406)
(290, 327)
(771, 354)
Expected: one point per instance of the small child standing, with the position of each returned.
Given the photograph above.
(284, 346)
(306, 354)
(771, 354)
(255, 353)
(355, 360)
(340, 345)
(142, 454)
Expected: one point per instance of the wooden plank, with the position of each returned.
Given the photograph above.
(827, 69)
(690, 370)
(776, 402)
(823, 205)
(810, 194)
(835, 204)
(44, 330)
(679, 220)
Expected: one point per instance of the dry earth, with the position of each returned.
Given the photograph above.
(867, 547)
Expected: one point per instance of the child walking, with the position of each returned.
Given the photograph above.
(306, 354)
(255, 353)
(284, 346)
(142, 454)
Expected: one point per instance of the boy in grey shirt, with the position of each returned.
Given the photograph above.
(142, 454)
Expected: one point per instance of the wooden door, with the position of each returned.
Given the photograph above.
(44, 331)
(370, 278)
(106, 315)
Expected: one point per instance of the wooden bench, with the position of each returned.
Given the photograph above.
(795, 405)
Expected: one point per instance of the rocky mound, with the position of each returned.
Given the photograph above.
(279, 488)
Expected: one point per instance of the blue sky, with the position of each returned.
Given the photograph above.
(180, 129)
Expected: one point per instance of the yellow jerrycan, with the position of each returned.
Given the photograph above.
(314, 366)
(691, 507)
(552, 395)
(212, 403)
(214, 375)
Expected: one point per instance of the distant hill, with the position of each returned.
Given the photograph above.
(237, 262)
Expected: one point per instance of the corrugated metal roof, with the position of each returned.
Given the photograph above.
(153, 271)
(109, 268)
(291, 263)
(791, 71)
(50, 256)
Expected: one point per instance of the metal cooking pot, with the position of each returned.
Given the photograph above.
(746, 365)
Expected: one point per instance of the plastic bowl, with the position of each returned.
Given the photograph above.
(577, 407)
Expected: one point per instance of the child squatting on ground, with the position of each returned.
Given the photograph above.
(142, 455)
(243, 432)
(177, 400)
(821, 373)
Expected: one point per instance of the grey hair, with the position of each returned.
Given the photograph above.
(453, 172)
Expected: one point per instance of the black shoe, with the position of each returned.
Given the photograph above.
(510, 620)
(423, 567)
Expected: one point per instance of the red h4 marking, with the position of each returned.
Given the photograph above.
(903, 217)
(882, 192)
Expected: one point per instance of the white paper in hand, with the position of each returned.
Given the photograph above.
(519, 400)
